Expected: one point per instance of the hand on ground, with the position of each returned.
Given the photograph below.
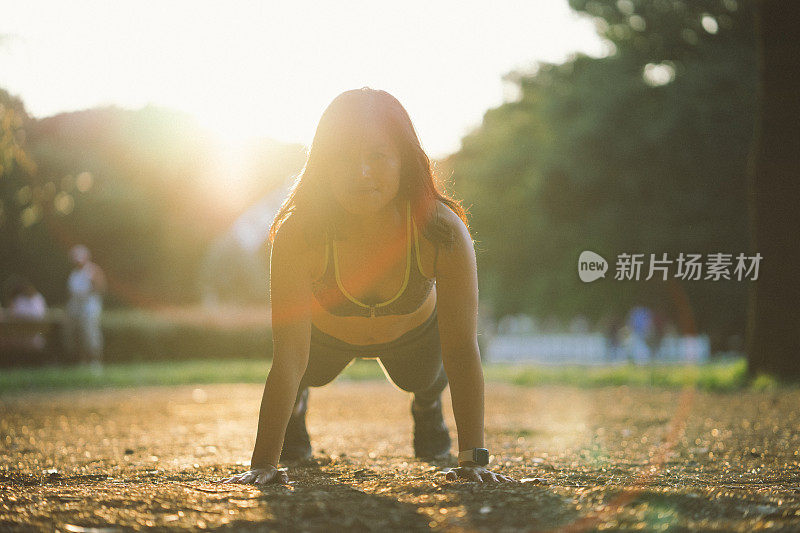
(476, 473)
(260, 476)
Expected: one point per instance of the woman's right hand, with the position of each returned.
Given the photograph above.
(260, 476)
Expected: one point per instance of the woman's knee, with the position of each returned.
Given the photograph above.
(411, 378)
(317, 380)
(319, 373)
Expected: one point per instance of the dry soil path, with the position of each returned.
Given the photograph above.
(591, 459)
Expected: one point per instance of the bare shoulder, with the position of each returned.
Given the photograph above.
(290, 234)
(290, 246)
(459, 233)
(456, 256)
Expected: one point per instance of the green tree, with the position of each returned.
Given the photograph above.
(22, 198)
(643, 151)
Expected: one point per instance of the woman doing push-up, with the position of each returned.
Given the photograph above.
(370, 259)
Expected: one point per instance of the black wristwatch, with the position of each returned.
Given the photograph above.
(479, 456)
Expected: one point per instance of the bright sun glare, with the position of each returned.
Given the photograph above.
(268, 69)
(229, 175)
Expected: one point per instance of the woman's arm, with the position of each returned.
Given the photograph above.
(99, 283)
(457, 303)
(290, 297)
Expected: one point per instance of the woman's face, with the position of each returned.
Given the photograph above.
(366, 178)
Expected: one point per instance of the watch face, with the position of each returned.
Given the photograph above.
(481, 456)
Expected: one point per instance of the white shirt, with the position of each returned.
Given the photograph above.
(30, 307)
(80, 281)
(83, 298)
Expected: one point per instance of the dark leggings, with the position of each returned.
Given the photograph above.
(413, 361)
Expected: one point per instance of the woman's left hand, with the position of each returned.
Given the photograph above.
(476, 473)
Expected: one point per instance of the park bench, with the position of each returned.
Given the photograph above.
(31, 342)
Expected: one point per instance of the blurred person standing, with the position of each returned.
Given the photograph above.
(86, 285)
(613, 333)
(640, 322)
(654, 342)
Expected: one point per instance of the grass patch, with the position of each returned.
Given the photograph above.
(135, 374)
(717, 376)
(156, 373)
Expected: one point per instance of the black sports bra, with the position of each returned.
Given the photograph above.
(332, 296)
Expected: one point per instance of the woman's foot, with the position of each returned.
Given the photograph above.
(296, 444)
(431, 437)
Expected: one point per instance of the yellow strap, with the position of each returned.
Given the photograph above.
(408, 267)
(327, 251)
(416, 247)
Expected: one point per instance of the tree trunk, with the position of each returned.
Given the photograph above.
(773, 340)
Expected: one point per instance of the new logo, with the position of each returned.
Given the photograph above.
(591, 266)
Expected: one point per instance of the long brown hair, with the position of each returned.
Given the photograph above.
(310, 195)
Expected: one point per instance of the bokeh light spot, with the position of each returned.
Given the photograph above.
(64, 203)
(23, 195)
(30, 215)
(84, 181)
(659, 74)
(625, 6)
(637, 23)
(709, 24)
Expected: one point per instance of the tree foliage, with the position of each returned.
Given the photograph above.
(643, 151)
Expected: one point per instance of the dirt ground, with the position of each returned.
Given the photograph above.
(588, 460)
